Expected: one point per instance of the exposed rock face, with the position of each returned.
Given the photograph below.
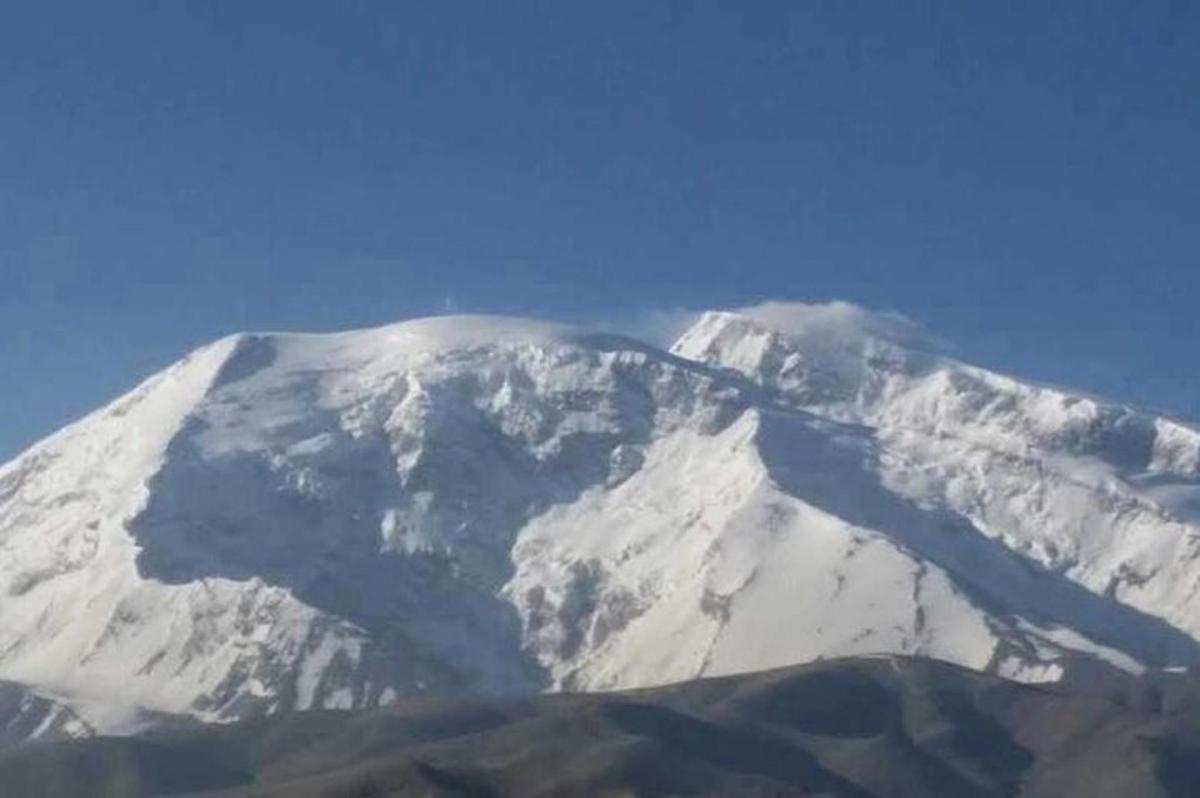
(25, 715)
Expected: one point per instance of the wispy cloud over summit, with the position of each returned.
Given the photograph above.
(838, 319)
(833, 321)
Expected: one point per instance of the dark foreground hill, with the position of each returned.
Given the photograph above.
(860, 727)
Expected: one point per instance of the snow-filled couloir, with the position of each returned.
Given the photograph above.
(489, 505)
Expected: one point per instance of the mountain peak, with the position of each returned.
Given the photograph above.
(818, 355)
(829, 325)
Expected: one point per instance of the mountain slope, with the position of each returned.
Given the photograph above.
(1102, 494)
(853, 728)
(484, 506)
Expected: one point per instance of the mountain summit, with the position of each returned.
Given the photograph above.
(483, 505)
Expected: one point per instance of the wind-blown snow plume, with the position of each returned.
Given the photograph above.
(837, 322)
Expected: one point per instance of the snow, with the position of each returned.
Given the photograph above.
(493, 505)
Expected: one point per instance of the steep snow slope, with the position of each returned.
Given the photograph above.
(495, 505)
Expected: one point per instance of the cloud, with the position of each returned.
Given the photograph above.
(818, 325)
(840, 321)
(835, 323)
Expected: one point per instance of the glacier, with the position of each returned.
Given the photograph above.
(487, 505)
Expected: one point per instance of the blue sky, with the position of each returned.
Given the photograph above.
(1022, 177)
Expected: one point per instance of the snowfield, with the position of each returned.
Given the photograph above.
(490, 505)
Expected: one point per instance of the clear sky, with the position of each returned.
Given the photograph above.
(1021, 177)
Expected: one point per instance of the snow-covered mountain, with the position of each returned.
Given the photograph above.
(503, 506)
